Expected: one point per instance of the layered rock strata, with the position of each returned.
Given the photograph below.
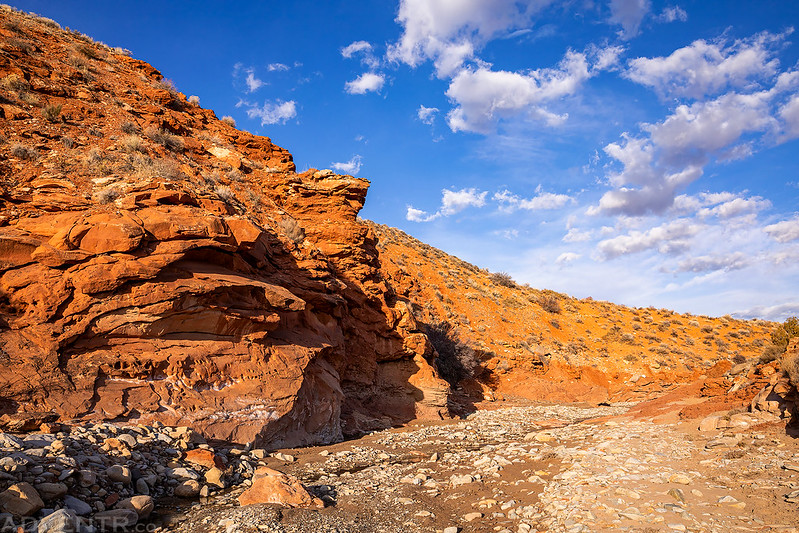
(157, 263)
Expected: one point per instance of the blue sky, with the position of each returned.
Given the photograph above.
(635, 151)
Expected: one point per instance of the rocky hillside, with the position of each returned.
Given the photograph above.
(514, 340)
(158, 263)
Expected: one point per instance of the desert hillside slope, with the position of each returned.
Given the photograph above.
(516, 340)
(158, 263)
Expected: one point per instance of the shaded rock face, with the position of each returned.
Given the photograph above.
(163, 265)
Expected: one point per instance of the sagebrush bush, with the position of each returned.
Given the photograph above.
(230, 121)
(165, 139)
(133, 143)
(225, 193)
(108, 194)
(502, 278)
(194, 100)
(128, 127)
(790, 365)
(780, 338)
(24, 152)
(549, 303)
(52, 112)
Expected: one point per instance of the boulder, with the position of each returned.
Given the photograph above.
(21, 499)
(271, 486)
(61, 521)
(51, 491)
(188, 489)
(116, 519)
(143, 505)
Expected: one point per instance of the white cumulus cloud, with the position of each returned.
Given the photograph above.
(277, 112)
(355, 47)
(352, 167)
(668, 238)
(452, 202)
(785, 231)
(706, 68)
(510, 202)
(789, 113)
(448, 32)
(427, 114)
(483, 96)
(656, 168)
(715, 262)
(366, 82)
(567, 257)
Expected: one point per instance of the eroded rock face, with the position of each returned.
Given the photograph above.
(162, 265)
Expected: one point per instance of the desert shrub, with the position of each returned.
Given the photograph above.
(21, 45)
(166, 168)
(67, 141)
(783, 333)
(502, 278)
(144, 167)
(230, 121)
(21, 151)
(456, 361)
(225, 193)
(790, 365)
(52, 112)
(133, 143)
(194, 100)
(549, 303)
(108, 194)
(292, 230)
(94, 156)
(770, 353)
(165, 139)
(88, 50)
(48, 22)
(128, 127)
(14, 83)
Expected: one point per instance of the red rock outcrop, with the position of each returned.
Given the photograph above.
(157, 263)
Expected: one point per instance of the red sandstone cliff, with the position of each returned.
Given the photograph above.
(157, 263)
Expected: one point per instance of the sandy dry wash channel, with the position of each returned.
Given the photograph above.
(537, 468)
